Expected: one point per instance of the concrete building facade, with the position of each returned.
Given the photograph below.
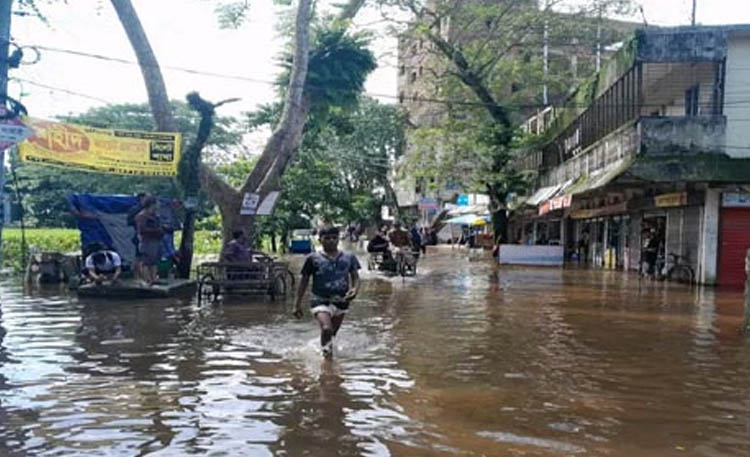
(420, 68)
(655, 147)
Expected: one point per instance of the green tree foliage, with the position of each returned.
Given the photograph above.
(44, 190)
(339, 65)
(341, 171)
(486, 59)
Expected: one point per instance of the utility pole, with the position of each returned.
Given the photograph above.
(599, 39)
(695, 2)
(546, 63)
(5, 12)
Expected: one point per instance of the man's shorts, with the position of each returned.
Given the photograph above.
(333, 310)
(320, 305)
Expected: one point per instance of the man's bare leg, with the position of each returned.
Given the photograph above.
(326, 332)
(336, 323)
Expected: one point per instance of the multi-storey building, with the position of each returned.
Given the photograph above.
(421, 67)
(655, 147)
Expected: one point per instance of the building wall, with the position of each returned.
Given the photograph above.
(737, 94)
(666, 83)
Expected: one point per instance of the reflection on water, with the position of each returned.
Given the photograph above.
(465, 359)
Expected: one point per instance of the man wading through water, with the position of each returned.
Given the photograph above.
(335, 284)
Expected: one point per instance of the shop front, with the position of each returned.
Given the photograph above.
(734, 238)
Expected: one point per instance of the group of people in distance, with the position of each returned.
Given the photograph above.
(104, 265)
(397, 239)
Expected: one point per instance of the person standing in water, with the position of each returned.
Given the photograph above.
(335, 283)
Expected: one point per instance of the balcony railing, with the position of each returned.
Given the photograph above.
(676, 135)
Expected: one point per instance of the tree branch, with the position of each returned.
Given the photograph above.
(288, 133)
(157, 90)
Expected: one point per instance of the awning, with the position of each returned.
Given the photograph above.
(468, 219)
(541, 195)
(467, 209)
(600, 178)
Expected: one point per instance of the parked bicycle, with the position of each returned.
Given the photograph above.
(680, 270)
(677, 269)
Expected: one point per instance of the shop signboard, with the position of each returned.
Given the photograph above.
(555, 204)
(428, 203)
(735, 200)
(672, 200)
(617, 208)
(544, 208)
(463, 200)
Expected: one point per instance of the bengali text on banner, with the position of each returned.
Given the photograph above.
(124, 152)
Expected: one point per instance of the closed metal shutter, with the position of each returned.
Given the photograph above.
(735, 241)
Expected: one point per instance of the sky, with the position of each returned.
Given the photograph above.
(185, 34)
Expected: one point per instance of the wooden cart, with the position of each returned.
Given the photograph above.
(263, 276)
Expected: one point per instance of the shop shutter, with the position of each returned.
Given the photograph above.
(735, 241)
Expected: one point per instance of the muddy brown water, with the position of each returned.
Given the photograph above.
(466, 359)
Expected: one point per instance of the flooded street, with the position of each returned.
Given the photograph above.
(466, 359)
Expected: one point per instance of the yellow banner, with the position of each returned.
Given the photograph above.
(124, 152)
(671, 200)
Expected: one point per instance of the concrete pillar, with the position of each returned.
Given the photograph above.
(563, 242)
(710, 238)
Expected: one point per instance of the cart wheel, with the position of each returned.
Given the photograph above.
(208, 292)
(292, 279)
(278, 286)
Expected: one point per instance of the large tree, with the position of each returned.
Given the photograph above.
(343, 168)
(484, 63)
(298, 101)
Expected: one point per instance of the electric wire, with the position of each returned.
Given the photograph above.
(371, 94)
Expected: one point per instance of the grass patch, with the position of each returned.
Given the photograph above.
(68, 240)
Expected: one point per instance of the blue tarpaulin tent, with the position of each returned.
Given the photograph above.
(109, 226)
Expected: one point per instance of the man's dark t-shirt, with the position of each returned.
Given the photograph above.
(330, 276)
(377, 244)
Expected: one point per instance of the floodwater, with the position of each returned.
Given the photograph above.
(466, 359)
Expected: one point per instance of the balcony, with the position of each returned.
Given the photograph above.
(685, 135)
(656, 136)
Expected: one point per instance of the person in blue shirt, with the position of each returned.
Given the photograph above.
(335, 283)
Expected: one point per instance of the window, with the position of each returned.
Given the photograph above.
(420, 71)
(413, 76)
(402, 69)
(401, 97)
(692, 96)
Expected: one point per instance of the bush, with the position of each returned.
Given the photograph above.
(68, 240)
(57, 240)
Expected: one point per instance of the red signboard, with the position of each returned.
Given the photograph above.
(555, 204)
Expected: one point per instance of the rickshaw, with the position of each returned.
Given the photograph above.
(264, 275)
(301, 242)
(401, 261)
